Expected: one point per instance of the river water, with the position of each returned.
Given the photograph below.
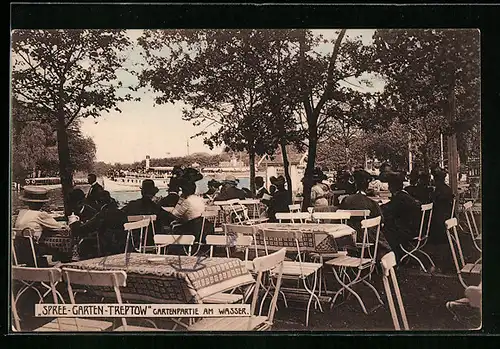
(122, 197)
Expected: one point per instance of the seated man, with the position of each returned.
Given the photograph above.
(229, 191)
(188, 212)
(442, 197)
(422, 191)
(280, 199)
(401, 215)
(79, 207)
(146, 206)
(213, 187)
(260, 188)
(108, 224)
(94, 191)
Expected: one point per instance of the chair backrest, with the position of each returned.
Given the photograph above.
(388, 263)
(141, 217)
(471, 221)
(152, 219)
(270, 263)
(229, 241)
(28, 276)
(424, 229)
(366, 244)
(357, 213)
(294, 208)
(109, 278)
(294, 217)
(143, 225)
(454, 242)
(334, 216)
(165, 240)
(240, 229)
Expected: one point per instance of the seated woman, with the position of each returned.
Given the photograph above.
(38, 221)
(108, 223)
(319, 197)
(188, 212)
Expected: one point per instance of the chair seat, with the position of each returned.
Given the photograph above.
(472, 268)
(249, 265)
(230, 324)
(70, 325)
(300, 269)
(223, 298)
(328, 255)
(138, 329)
(348, 261)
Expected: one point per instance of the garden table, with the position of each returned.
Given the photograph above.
(173, 279)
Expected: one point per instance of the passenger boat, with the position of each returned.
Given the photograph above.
(133, 182)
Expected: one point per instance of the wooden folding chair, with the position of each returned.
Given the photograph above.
(326, 217)
(163, 241)
(29, 277)
(456, 248)
(227, 242)
(143, 247)
(421, 240)
(294, 208)
(235, 208)
(242, 230)
(143, 225)
(388, 263)
(472, 225)
(365, 264)
(295, 217)
(272, 263)
(297, 270)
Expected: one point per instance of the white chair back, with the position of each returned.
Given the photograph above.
(331, 216)
(294, 208)
(107, 278)
(143, 241)
(388, 263)
(424, 230)
(29, 276)
(471, 221)
(294, 217)
(356, 213)
(240, 230)
(366, 244)
(270, 263)
(143, 225)
(229, 241)
(162, 241)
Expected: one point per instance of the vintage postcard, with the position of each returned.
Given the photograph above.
(245, 180)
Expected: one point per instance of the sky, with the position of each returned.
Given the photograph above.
(143, 128)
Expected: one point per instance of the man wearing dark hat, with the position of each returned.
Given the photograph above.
(272, 187)
(401, 214)
(94, 191)
(360, 201)
(229, 191)
(213, 187)
(260, 188)
(442, 197)
(280, 199)
(79, 206)
(33, 217)
(108, 224)
(145, 205)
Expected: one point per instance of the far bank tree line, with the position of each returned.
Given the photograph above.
(265, 90)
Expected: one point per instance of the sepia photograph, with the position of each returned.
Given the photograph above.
(221, 180)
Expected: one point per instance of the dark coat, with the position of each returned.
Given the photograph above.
(85, 212)
(360, 201)
(93, 195)
(420, 193)
(170, 200)
(260, 192)
(108, 223)
(442, 197)
(401, 220)
(146, 206)
(279, 203)
(230, 192)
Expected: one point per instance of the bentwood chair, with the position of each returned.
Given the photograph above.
(271, 264)
(461, 266)
(388, 263)
(360, 267)
(420, 241)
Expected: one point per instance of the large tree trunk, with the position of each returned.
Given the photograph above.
(251, 156)
(65, 170)
(286, 166)
(311, 162)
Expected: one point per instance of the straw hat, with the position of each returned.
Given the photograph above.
(35, 194)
